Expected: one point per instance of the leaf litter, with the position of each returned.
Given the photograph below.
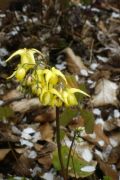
(86, 44)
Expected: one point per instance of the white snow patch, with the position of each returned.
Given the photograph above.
(36, 137)
(35, 171)
(93, 66)
(93, 135)
(1, 102)
(95, 10)
(113, 142)
(61, 66)
(25, 18)
(88, 168)
(87, 155)
(84, 72)
(99, 154)
(48, 175)
(26, 142)
(97, 111)
(115, 15)
(3, 52)
(99, 121)
(101, 143)
(2, 63)
(92, 85)
(28, 133)
(2, 15)
(103, 59)
(116, 113)
(32, 155)
(35, 19)
(67, 142)
(89, 81)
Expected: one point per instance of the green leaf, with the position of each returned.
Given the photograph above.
(5, 112)
(107, 178)
(80, 96)
(88, 120)
(67, 115)
(75, 163)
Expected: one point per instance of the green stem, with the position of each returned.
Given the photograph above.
(59, 144)
(68, 160)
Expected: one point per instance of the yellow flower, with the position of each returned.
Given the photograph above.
(20, 74)
(27, 56)
(27, 61)
(69, 96)
(49, 96)
(38, 76)
(52, 76)
(36, 89)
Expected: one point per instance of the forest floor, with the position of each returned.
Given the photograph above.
(82, 40)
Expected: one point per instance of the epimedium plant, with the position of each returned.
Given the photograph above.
(52, 88)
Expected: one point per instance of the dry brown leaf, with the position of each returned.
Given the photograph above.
(115, 138)
(3, 153)
(47, 116)
(108, 171)
(105, 93)
(99, 136)
(74, 63)
(45, 161)
(12, 95)
(25, 105)
(114, 156)
(23, 165)
(46, 132)
(111, 124)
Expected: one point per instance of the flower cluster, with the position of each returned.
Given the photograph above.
(49, 84)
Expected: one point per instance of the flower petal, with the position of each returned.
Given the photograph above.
(74, 90)
(18, 52)
(58, 73)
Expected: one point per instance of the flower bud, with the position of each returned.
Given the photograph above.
(20, 74)
(47, 98)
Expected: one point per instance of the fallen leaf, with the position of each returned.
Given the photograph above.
(23, 165)
(111, 124)
(12, 95)
(45, 161)
(3, 153)
(74, 63)
(48, 115)
(25, 104)
(46, 132)
(105, 93)
(108, 171)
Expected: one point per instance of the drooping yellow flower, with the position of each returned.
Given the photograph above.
(69, 96)
(49, 96)
(50, 85)
(38, 76)
(27, 55)
(19, 73)
(52, 76)
(27, 61)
